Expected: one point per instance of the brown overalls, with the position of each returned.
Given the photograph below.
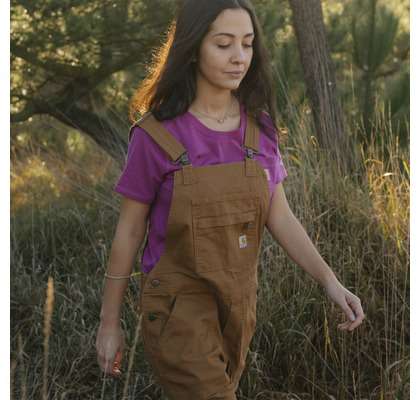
(199, 301)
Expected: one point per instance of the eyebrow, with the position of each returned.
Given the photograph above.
(232, 35)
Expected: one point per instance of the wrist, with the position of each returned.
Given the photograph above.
(329, 279)
(110, 319)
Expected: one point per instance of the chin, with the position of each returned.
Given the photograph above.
(232, 85)
(235, 86)
(229, 87)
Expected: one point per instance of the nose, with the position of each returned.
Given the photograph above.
(239, 54)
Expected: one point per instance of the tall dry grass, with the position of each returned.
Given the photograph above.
(64, 215)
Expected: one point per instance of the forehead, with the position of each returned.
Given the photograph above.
(234, 22)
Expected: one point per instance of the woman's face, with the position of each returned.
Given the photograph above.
(227, 47)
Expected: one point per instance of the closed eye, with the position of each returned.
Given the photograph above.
(227, 45)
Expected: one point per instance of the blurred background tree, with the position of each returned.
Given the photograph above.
(346, 23)
(377, 53)
(76, 61)
(79, 61)
(319, 75)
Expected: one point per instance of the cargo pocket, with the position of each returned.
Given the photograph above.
(158, 314)
(249, 318)
(228, 371)
(225, 232)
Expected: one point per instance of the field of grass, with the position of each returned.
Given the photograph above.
(63, 218)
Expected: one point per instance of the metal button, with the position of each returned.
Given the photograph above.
(152, 317)
(155, 282)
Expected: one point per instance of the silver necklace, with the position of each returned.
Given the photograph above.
(219, 120)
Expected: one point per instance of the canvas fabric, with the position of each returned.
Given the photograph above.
(198, 303)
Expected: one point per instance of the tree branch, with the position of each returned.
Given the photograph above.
(52, 66)
(29, 110)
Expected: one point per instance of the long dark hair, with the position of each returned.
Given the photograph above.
(170, 86)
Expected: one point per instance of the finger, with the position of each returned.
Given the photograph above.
(344, 325)
(108, 366)
(116, 368)
(359, 310)
(359, 314)
(352, 325)
(104, 363)
(101, 362)
(348, 311)
(355, 324)
(118, 357)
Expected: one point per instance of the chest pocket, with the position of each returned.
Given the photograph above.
(225, 232)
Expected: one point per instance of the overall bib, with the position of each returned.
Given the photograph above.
(199, 301)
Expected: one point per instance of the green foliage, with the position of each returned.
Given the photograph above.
(375, 29)
(82, 36)
(373, 34)
(55, 43)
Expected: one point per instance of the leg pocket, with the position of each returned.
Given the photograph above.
(250, 317)
(188, 360)
(158, 313)
(239, 331)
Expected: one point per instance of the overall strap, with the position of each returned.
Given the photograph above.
(252, 145)
(172, 147)
(252, 134)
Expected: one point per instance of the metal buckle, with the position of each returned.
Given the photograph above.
(250, 152)
(183, 159)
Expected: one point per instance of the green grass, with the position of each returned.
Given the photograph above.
(63, 221)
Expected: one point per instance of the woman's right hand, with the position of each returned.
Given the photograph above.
(110, 343)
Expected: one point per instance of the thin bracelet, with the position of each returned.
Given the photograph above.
(116, 277)
(121, 277)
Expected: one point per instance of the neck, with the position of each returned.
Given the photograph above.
(214, 101)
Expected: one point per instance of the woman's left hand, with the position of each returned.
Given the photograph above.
(348, 302)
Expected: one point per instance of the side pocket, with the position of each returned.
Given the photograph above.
(141, 283)
(228, 371)
(158, 310)
(250, 318)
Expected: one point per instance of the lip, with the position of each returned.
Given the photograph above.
(235, 72)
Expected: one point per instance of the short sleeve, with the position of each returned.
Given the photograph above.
(144, 168)
(277, 169)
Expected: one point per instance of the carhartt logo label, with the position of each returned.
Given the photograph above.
(242, 241)
(267, 172)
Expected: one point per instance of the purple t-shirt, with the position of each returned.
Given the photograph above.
(148, 173)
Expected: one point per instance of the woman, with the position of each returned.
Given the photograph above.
(204, 168)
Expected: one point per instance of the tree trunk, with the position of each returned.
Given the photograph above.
(319, 78)
(369, 77)
(101, 128)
